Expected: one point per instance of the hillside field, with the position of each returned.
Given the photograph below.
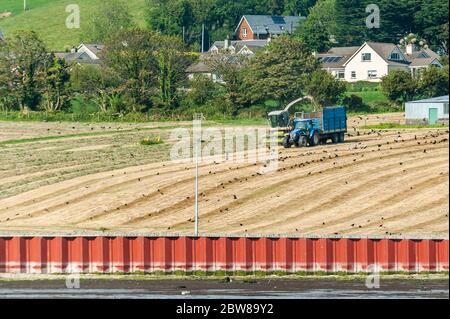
(47, 18)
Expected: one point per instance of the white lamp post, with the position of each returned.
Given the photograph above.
(197, 146)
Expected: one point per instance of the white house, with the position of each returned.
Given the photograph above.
(428, 111)
(373, 60)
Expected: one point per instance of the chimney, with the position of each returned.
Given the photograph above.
(227, 43)
(410, 48)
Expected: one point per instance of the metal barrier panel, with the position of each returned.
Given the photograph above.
(121, 254)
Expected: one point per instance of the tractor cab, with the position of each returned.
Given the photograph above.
(303, 124)
(278, 119)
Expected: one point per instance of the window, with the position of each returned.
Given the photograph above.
(341, 75)
(372, 74)
(353, 74)
(445, 108)
(366, 57)
(395, 56)
(244, 32)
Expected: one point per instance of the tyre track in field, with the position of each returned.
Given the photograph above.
(264, 214)
(404, 215)
(249, 177)
(417, 188)
(277, 187)
(369, 181)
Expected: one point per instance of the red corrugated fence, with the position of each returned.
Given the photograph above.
(104, 254)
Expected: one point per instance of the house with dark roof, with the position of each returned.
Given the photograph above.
(248, 47)
(373, 60)
(83, 54)
(202, 68)
(255, 27)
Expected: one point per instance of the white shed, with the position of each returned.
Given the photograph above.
(428, 111)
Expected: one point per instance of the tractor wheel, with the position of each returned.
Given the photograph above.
(314, 140)
(341, 137)
(303, 141)
(286, 143)
(334, 138)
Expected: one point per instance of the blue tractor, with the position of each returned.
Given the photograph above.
(317, 128)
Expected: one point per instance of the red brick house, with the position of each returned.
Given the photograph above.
(255, 27)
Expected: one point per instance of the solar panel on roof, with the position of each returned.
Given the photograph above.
(331, 59)
(278, 20)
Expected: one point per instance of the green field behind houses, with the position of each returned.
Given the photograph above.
(48, 19)
(369, 97)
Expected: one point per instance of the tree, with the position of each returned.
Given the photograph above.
(23, 57)
(112, 16)
(232, 71)
(399, 86)
(202, 90)
(351, 22)
(434, 81)
(318, 28)
(325, 88)
(298, 7)
(148, 66)
(395, 20)
(96, 84)
(56, 85)
(173, 59)
(130, 54)
(431, 21)
(280, 72)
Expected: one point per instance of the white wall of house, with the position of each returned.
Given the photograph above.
(358, 70)
(214, 77)
(84, 49)
(338, 73)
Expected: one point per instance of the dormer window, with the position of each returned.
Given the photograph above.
(395, 56)
(365, 57)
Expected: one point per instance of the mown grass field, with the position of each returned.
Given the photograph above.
(47, 18)
(62, 176)
(369, 97)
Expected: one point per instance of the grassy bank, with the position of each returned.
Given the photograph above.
(240, 276)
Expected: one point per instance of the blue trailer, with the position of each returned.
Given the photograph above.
(317, 127)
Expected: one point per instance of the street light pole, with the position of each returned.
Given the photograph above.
(197, 146)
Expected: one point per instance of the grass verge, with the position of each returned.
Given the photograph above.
(85, 134)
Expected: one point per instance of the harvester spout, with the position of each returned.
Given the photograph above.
(308, 97)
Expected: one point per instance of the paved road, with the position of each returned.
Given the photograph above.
(212, 289)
